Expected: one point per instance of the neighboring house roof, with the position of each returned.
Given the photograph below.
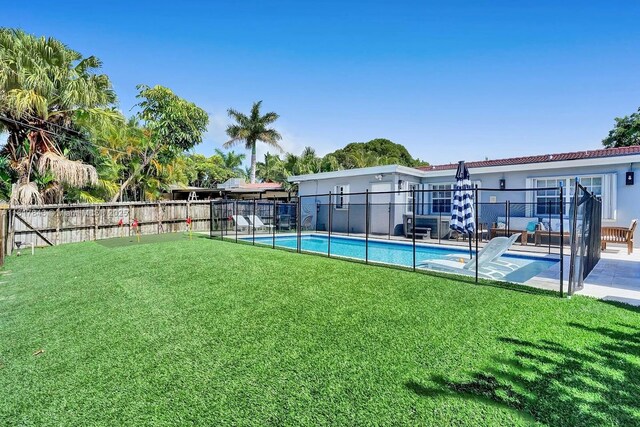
(183, 188)
(262, 186)
(258, 187)
(544, 158)
(237, 185)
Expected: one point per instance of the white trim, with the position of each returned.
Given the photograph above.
(529, 198)
(539, 166)
(375, 170)
(563, 164)
(609, 197)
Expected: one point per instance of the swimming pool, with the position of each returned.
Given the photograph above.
(399, 253)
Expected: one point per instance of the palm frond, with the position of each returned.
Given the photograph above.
(67, 171)
(26, 194)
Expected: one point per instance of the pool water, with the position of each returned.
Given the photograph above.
(398, 253)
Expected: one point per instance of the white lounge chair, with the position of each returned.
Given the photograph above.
(240, 222)
(257, 223)
(487, 259)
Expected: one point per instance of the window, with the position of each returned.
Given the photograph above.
(592, 183)
(341, 197)
(409, 205)
(441, 198)
(547, 202)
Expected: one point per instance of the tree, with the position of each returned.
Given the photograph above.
(251, 129)
(625, 133)
(48, 92)
(378, 151)
(205, 171)
(232, 161)
(171, 125)
(272, 169)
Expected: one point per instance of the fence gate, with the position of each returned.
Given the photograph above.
(585, 223)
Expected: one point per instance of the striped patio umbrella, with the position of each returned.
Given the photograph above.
(462, 214)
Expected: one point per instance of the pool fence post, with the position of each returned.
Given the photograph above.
(220, 220)
(366, 226)
(549, 228)
(561, 241)
(253, 220)
(235, 212)
(298, 223)
(573, 240)
(507, 219)
(439, 221)
(348, 215)
(413, 224)
(389, 215)
(330, 219)
(475, 202)
(274, 222)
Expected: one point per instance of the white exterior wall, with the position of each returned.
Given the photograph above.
(625, 202)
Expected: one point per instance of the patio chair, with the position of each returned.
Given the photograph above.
(515, 225)
(257, 223)
(240, 222)
(487, 258)
(619, 235)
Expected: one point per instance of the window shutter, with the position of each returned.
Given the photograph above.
(609, 196)
(529, 197)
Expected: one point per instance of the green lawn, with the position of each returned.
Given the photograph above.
(205, 332)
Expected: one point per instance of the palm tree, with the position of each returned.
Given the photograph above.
(232, 161)
(251, 129)
(362, 159)
(272, 169)
(47, 93)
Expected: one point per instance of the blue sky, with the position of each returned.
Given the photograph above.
(450, 80)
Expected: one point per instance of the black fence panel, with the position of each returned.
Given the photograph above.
(586, 222)
(368, 226)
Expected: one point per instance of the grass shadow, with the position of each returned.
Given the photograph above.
(557, 385)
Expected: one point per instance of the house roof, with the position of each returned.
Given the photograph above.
(258, 187)
(262, 186)
(544, 161)
(185, 188)
(543, 158)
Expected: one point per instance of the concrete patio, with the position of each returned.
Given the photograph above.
(616, 277)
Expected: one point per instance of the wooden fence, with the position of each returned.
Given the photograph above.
(58, 224)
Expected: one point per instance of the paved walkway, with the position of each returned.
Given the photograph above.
(616, 277)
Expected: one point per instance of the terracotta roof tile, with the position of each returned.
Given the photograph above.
(544, 158)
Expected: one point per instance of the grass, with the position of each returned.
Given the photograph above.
(205, 332)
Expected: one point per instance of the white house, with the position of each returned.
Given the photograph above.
(609, 173)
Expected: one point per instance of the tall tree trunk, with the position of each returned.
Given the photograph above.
(253, 164)
(123, 187)
(147, 159)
